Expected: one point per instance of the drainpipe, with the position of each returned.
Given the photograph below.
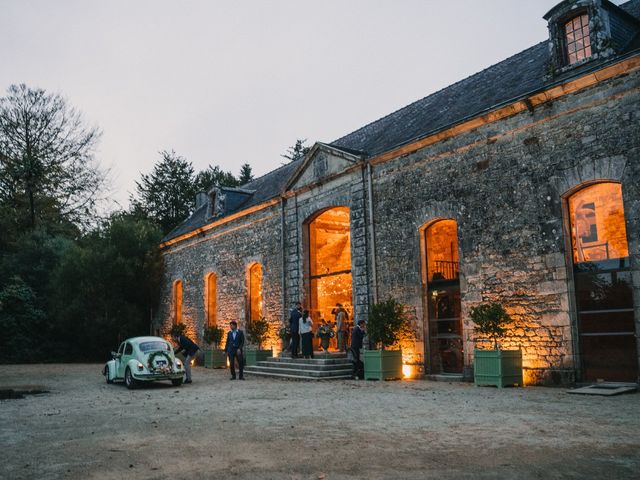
(372, 236)
(284, 258)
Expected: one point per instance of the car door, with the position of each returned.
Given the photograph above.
(123, 358)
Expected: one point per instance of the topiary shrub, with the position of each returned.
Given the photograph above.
(213, 336)
(258, 331)
(386, 321)
(491, 320)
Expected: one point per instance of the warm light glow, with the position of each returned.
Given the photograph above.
(598, 230)
(211, 299)
(330, 263)
(578, 41)
(255, 292)
(177, 302)
(408, 371)
(442, 250)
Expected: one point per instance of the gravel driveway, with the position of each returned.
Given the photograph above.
(272, 429)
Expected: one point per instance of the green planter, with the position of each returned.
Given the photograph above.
(382, 364)
(251, 357)
(497, 367)
(215, 358)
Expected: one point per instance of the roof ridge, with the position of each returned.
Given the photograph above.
(450, 86)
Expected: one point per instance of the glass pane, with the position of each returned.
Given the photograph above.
(328, 291)
(442, 250)
(211, 300)
(569, 27)
(576, 23)
(587, 51)
(177, 301)
(609, 322)
(450, 352)
(598, 230)
(600, 291)
(572, 58)
(611, 358)
(330, 242)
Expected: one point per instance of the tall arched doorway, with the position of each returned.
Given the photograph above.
(442, 294)
(177, 302)
(603, 284)
(329, 257)
(255, 299)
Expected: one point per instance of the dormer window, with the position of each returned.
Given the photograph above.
(577, 37)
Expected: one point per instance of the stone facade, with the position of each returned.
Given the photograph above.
(504, 178)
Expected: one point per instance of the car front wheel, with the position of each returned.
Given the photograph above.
(176, 382)
(107, 374)
(129, 381)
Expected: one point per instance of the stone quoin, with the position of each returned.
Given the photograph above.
(518, 185)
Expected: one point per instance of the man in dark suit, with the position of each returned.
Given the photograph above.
(294, 328)
(356, 344)
(233, 347)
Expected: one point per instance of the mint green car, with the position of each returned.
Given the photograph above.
(144, 359)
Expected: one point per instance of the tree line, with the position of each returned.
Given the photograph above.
(73, 281)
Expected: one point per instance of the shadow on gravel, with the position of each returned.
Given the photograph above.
(17, 393)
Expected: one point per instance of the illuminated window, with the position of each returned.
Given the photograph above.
(330, 263)
(254, 296)
(211, 299)
(443, 297)
(177, 302)
(603, 284)
(598, 230)
(577, 38)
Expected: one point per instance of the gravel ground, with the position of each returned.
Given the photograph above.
(272, 429)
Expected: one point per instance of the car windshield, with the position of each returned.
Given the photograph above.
(154, 346)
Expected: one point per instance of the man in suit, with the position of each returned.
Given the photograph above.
(356, 344)
(294, 328)
(233, 348)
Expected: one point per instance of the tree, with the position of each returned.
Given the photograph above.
(246, 174)
(297, 151)
(167, 194)
(48, 174)
(214, 176)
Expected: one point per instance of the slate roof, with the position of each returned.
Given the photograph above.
(500, 84)
(266, 187)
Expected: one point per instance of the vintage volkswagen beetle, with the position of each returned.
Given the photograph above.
(144, 359)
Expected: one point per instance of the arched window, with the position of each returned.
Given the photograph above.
(177, 302)
(603, 283)
(254, 293)
(211, 299)
(443, 297)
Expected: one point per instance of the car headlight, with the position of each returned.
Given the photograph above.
(140, 367)
(178, 363)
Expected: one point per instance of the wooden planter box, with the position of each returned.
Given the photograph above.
(382, 364)
(215, 358)
(497, 367)
(251, 357)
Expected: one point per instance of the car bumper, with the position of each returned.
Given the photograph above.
(149, 377)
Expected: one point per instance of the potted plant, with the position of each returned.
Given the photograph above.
(386, 320)
(495, 366)
(285, 337)
(257, 332)
(214, 357)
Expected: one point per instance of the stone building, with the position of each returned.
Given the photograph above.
(519, 184)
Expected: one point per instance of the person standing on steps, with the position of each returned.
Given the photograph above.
(234, 349)
(190, 350)
(306, 335)
(341, 319)
(294, 328)
(356, 344)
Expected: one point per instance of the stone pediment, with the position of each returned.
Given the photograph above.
(321, 163)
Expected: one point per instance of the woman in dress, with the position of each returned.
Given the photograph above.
(306, 334)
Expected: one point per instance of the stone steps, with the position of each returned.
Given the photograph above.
(322, 367)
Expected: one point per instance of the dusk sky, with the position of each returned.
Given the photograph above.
(238, 81)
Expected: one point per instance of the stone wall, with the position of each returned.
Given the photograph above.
(504, 183)
(227, 251)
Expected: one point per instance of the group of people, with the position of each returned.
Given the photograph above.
(301, 328)
(301, 345)
(234, 347)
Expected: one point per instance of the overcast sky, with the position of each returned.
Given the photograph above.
(229, 82)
